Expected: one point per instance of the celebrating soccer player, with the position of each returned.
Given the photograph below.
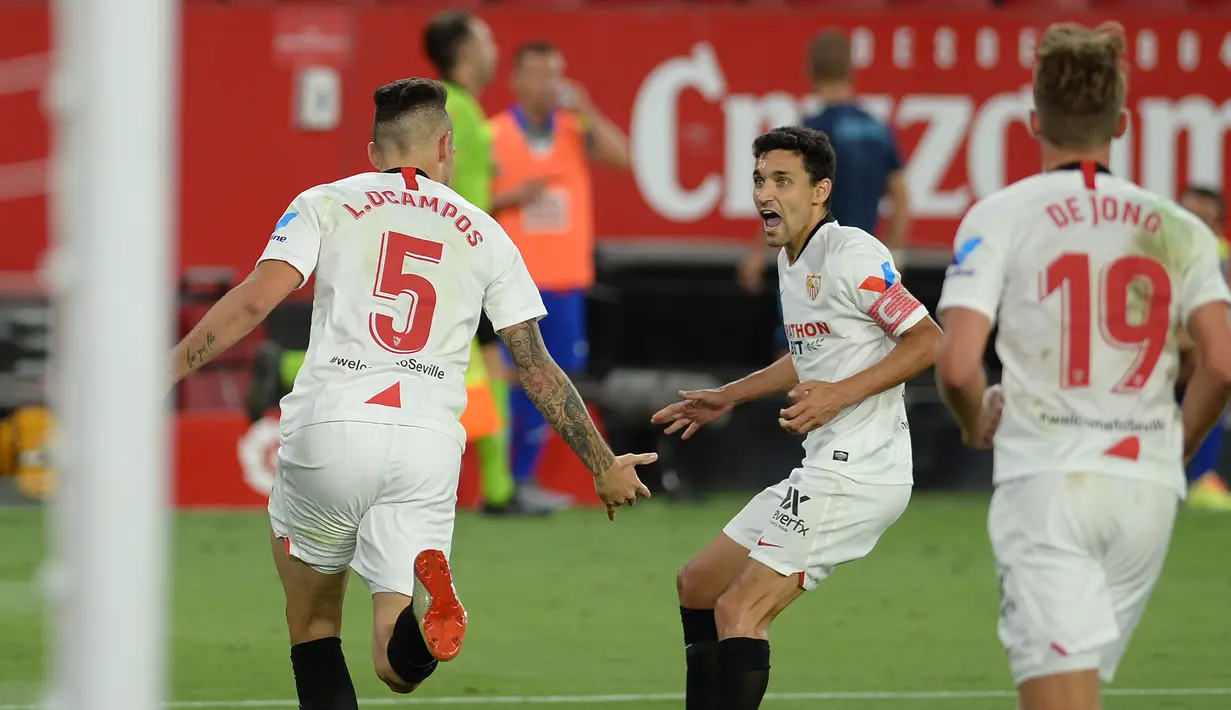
(1091, 277)
(371, 444)
(855, 336)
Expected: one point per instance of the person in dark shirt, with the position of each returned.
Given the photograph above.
(869, 166)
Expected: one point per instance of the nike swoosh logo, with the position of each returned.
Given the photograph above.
(762, 543)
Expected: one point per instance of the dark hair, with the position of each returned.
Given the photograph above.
(820, 162)
(539, 47)
(414, 99)
(443, 37)
(1209, 193)
(829, 57)
(1079, 84)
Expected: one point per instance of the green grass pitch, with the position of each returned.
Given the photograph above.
(576, 606)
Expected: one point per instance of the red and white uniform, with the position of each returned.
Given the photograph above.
(843, 306)
(372, 445)
(1089, 278)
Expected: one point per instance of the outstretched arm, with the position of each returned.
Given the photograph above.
(233, 317)
(702, 407)
(555, 396)
(775, 379)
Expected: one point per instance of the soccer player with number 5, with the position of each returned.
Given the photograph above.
(371, 444)
(1090, 277)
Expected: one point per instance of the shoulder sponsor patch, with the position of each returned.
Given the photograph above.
(881, 283)
(964, 249)
(286, 219)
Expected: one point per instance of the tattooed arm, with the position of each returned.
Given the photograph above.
(233, 317)
(555, 396)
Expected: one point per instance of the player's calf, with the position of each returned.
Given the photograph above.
(403, 661)
(743, 614)
(314, 620)
(400, 654)
(1076, 690)
(698, 586)
(701, 657)
(322, 681)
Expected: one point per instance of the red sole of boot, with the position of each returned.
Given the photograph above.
(444, 624)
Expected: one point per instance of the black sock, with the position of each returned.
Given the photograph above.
(743, 673)
(701, 652)
(321, 679)
(408, 654)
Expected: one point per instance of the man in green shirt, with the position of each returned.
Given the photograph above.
(461, 47)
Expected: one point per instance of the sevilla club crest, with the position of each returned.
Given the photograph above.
(813, 282)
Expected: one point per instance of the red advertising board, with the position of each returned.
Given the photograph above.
(222, 460)
(692, 87)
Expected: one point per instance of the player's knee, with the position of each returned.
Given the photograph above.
(737, 615)
(698, 586)
(691, 589)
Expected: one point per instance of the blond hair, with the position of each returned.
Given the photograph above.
(1080, 84)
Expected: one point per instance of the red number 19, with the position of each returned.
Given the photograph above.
(1070, 274)
(392, 283)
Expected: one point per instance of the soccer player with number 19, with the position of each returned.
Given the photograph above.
(855, 336)
(371, 443)
(1091, 277)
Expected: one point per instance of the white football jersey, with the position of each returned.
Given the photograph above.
(1091, 278)
(404, 266)
(843, 307)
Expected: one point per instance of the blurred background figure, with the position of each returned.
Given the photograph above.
(869, 164)
(543, 146)
(462, 49)
(25, 451)
(1207, 489)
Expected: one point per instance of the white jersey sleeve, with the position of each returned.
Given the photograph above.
(296, 238)
(511, 297)
(1202, 281)
(976, 278)
(873, 286)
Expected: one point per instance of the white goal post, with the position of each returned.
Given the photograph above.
(111, 99)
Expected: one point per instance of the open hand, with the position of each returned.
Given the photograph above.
(700, 407)
(813, 405)
(619, 485)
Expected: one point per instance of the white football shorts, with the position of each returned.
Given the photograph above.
(814, 521)
(1078, 555)
(366, 496)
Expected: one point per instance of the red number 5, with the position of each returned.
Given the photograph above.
(409, 337)
(1136, 279)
